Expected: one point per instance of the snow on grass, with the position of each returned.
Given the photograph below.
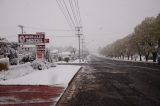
(16, 71)
(61, 62)
(125, 59)
(60, 75)
(79, 61)
(74, 61)
(4, 60)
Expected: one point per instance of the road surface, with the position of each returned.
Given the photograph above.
(106, 82)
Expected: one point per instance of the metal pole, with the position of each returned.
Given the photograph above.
(21, 27)
(79, 40)
(82, 49)
(79, 48)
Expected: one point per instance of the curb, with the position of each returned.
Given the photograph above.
(68, 86)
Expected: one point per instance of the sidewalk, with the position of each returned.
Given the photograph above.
(29, 95)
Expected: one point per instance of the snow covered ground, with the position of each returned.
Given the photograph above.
(74, 61)
(59, 75)
(79, 60)
(126, 59)
(16, 71)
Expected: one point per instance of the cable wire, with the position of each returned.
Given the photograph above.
(60, 5)
(78, 11)
(30, 27)
(73, 11)
(69, 14)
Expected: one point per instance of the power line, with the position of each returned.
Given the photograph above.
(61, 7)
(75, 20)
(64, 36)
(30, 27)
(73, 11)
(73, 17)
(69, 13)
(78, 11)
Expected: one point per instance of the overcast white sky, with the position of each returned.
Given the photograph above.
(103, 21)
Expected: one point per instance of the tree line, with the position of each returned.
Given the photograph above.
(143, 41)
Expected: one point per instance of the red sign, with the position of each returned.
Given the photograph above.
(40, 51)
(47, 40)
(42, 33)
(31, 38)
(40, 55)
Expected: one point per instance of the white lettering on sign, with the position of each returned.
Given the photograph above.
(31, 38)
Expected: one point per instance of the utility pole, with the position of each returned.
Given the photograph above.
(78, 29)
(82, 48)
(21, 27)
(22, 31)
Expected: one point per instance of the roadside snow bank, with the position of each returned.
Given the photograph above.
(60, 75)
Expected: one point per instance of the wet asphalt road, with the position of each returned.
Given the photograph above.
(107, 82)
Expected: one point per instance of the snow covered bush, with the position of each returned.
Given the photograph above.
(59, 58)
(41, 64)
(12, 56)
(14, 61)
(3, 46)
(28, 58)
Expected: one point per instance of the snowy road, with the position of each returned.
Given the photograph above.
(106, 82)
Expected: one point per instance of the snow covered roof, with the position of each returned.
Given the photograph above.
(65, 53)
(3, 40)
(54, 51)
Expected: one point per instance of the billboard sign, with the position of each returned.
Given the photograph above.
(31, 38)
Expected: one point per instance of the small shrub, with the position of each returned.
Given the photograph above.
(59, 58)
(66, 59)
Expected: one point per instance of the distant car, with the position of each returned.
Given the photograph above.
(158, 59)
